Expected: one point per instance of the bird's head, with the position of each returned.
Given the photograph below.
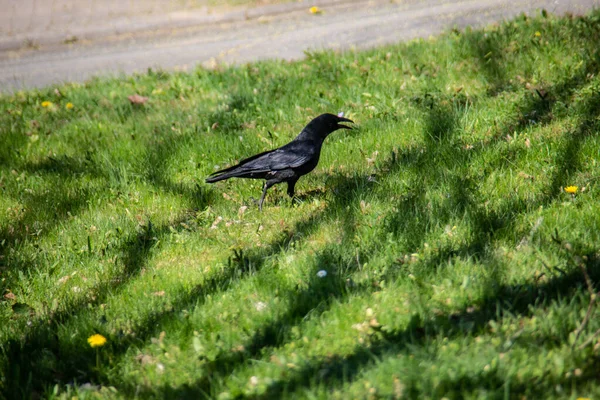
(325, 124)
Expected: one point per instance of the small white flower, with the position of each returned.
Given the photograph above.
(253, 380)
(322, 273)
(341, 114)
(260, 306)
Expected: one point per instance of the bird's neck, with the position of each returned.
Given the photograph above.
(310, 136)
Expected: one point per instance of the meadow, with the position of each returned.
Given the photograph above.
(448, 247)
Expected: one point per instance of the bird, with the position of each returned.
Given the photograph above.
(289, 162)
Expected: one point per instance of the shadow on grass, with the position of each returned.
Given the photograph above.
(317, 296)
(229, 119)
(76, 180)
(412, 222)
(40, 350)
(488, 226)
(72, 182)
(38, 213)
(339, 370)
(38, 358)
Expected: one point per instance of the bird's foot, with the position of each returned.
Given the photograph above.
(296, 201)
(257, 202)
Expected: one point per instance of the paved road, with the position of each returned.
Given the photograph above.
(280, 31)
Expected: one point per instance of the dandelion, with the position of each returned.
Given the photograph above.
(322, 273)
(46, 104)
(97, 340)
(538, 34)
(69, 106)
(571, 189)
(315, 10)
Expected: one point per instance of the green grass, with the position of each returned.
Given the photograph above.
(455, 260)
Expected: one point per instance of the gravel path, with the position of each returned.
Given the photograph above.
(183, 39)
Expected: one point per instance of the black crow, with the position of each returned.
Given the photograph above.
(287, 163)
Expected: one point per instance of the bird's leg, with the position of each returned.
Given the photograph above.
(290, 189)
(291, 186)
(266, 187)
(262, 198)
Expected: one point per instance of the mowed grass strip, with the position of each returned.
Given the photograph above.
(434, 252)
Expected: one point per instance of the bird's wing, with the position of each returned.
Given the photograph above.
(292, 155)
(242, 163)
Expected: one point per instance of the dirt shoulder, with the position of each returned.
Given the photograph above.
(284, 31)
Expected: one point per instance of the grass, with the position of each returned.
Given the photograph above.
(455, 260)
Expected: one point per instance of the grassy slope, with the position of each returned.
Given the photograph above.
(436, 222)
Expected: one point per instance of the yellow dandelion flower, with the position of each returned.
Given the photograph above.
(97, 340)
(538, 34)
(68, 106)
(314, 10)
(46, 104)
(571, 189)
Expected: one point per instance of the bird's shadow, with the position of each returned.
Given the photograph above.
(309, 195)
(277, 197)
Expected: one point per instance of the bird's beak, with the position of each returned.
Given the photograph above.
(342, 119)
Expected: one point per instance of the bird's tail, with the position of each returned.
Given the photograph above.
(222, 174)
(216, 177)
(238, 170)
